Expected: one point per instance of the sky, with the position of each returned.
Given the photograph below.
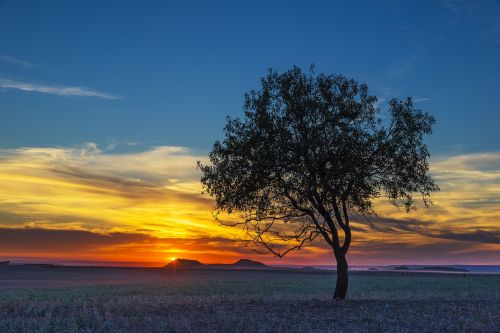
(105, 107)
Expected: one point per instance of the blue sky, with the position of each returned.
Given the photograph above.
(167, 73)
(105, 107)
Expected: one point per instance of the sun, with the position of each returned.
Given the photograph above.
(173, 258)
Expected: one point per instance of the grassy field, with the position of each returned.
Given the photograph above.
(250, 301)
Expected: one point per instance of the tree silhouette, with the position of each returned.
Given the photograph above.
(310, 152)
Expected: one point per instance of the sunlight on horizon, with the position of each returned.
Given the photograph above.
(136, 213)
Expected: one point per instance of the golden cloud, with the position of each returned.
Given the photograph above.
(128, 206)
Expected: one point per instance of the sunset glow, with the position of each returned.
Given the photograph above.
(106, 108)
(74, 204)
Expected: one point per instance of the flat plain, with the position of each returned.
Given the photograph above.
(37, 298)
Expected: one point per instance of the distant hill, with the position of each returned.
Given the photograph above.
(4, 262)
(431, 268)
(195, 264)
(400, 268)
(184, 264)
(443, 269)
(248, 263)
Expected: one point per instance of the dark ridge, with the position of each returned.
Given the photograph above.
(443, 269)
(248, 263)
(44, 265)
(400, 268)
(4, 262)
(183, 263)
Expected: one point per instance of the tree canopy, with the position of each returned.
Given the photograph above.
(311, 151)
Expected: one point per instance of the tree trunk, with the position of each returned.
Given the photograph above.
(342, 278)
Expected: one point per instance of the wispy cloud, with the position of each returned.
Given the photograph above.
(18, 62)
(402, 67)
(407, 64)
(485, 13)
(55, 89)
(459, 10)
(475, 236)
(493, 32)
(423, 99)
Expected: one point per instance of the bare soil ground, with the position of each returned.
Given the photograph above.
(41, 299)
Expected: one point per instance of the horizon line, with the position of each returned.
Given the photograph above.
(159, 264)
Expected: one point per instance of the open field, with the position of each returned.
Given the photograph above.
(38, 299)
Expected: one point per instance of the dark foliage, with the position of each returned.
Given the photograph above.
(311, 151)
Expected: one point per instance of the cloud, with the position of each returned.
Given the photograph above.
(55, 89)
(493, 32)
(464, 10)
(18, 62)
(85, 188)
(476, 236)
(14, 215)
(125, 246)
(484, 13)
(423, 99)
(161, 166)
(148, 204)
(37, 239)
(403, 66)
(464, 217)
(427, 229)
(403, 251)
(391, 225)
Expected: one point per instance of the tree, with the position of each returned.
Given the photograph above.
(310, 152)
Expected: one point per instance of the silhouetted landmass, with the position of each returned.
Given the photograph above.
(44, 265)
(373, 269)
(184, 264)
(308, 268)
(401, 268)
(4, 262)
(249, 263)
(443, 269)
(430, 268)
(195, 264)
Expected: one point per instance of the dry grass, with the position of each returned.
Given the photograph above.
(242, 301)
